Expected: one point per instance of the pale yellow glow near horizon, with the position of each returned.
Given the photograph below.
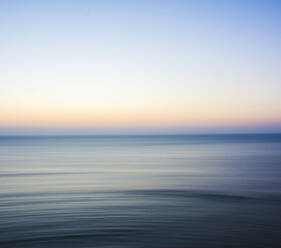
(136, 115)
(81, 97)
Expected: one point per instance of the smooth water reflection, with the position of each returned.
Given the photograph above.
(140, 191)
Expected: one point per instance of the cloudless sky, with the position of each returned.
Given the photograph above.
(98, 67)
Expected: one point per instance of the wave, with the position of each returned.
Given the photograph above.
(24, 174)
(153, 192)
(107, 234)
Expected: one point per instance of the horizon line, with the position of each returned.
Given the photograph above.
(156, 134)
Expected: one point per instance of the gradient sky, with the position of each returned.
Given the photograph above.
(98, 67)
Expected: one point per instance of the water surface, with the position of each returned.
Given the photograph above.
(141, 191)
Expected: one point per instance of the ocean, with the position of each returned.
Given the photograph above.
(197, 191)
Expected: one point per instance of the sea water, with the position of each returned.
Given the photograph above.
(206, 191)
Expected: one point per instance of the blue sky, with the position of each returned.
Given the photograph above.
(140, 66)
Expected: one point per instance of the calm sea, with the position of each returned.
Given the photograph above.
(206, 191)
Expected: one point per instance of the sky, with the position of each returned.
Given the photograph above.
(136, 67)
